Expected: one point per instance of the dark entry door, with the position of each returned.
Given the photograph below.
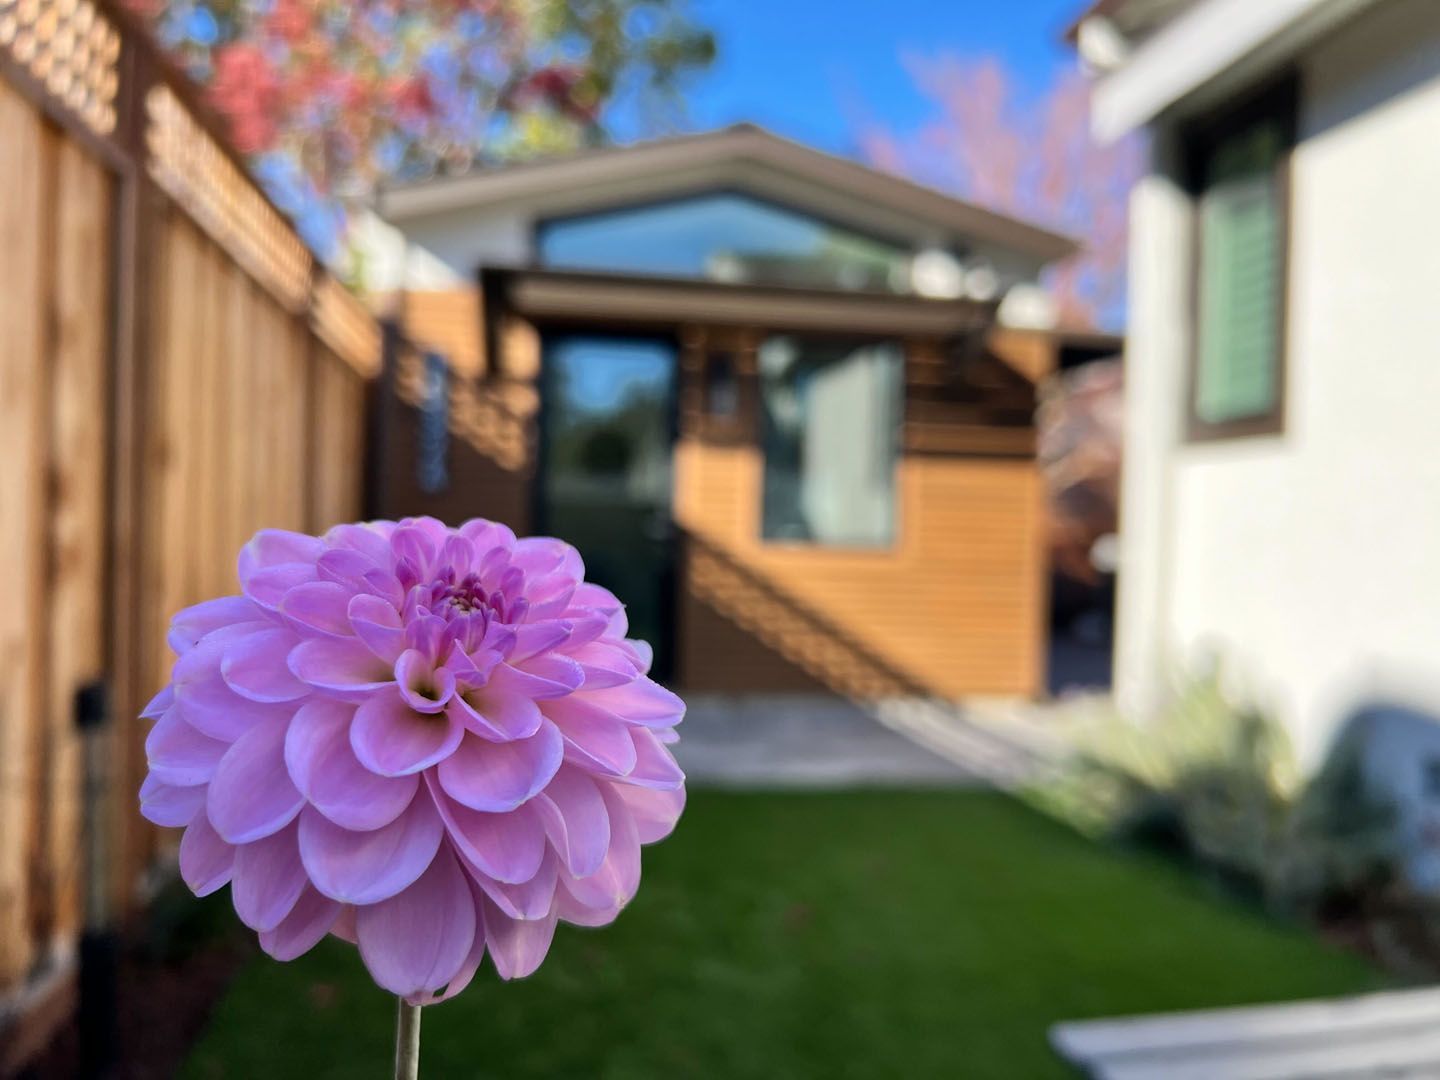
(607, 435)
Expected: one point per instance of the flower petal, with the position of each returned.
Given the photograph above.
(486, 536)
(614, 883)
(377, 624)
(159, 704)
(495, 777)
(528, 900)
(538, 555)
(655, 811)
(268, 587)
(538, 637)
(170, 805)
(275, 547)
(341, 665)
(509, 847)
(309, 920)
(319, 605)
(604, 664)
(268, 879)
(325, 769)
(642, 654)
(418, 940)
(206, 861)
(178, 753)
(392, 739)
(642, 701)
(654, 766)
(206, 701)
(468, 969)
(575, 819)
(540, 677)
(368, 539)
(365, 867)
(252, 795)
(517, 946)
(495, 715)
(193, 623)
(593, 737)
(256, 667)
(423, 687)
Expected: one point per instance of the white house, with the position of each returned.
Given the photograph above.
(1281, 500)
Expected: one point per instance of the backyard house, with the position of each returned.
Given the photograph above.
(764, 389)
(1279, 507)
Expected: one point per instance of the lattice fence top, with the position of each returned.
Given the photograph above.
(70, 47)
(197, 173)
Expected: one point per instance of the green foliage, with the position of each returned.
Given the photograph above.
(1341, 849)
(1203, 777)
(1214, 781)
(797, 935)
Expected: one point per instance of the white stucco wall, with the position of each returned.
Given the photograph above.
(1309, 561)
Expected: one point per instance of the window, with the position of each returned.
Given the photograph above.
(1239, 170)
(832, 415)
(723, 236)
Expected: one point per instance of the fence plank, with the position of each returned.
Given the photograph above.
(155, 410)
(78, 444)
(22, 213)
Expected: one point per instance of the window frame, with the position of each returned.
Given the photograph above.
(1275, 100)
(542, 223)
(892, 542)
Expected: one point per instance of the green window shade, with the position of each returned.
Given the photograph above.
(1240, 278)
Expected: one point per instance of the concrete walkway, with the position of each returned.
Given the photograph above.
(792, 740)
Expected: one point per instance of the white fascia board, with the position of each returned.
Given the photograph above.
(1212, 39)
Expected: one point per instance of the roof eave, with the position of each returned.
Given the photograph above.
(743, 142)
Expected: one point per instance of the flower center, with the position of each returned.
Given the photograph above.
(465, 597)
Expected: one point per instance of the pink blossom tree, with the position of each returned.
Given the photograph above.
(989, 142)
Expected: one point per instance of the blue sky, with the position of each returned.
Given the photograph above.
(816, 70)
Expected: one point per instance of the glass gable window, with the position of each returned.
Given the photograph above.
(831, 414)
(1241, 270)
(723, 236)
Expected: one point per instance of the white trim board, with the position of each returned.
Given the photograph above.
(1216, 45)
(1391, 1034)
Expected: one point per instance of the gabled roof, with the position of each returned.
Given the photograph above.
(856, 192)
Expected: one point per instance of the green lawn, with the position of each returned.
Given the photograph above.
(863, 934)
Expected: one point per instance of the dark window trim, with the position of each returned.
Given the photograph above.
(1278, 98)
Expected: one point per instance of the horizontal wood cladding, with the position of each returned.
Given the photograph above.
(954, 607)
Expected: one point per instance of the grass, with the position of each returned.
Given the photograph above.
(863, 934)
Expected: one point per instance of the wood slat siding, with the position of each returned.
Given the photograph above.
(956, 604)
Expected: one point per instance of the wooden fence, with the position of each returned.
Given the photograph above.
(176, 371)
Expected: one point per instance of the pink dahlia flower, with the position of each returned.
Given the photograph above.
(426, 741)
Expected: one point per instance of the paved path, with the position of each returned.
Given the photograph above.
(796, 740)
(789, 740)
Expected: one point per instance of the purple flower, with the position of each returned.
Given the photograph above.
(427, 741)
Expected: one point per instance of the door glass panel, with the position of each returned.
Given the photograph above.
(606, 469)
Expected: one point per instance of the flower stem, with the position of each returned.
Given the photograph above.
(407, 1040)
